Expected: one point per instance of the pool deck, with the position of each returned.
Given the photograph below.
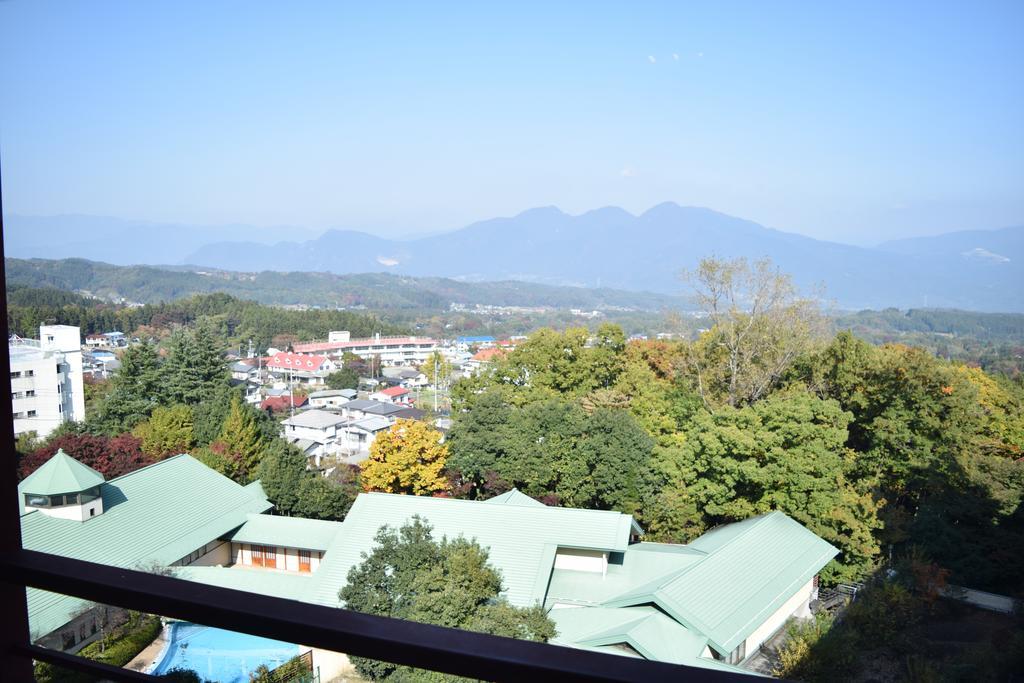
(147, 657)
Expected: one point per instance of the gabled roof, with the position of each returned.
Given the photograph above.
(374, 423)
(157, 514)
(489, 354)
(747, 574)
(393, 391)
(383, 409)
(60, 474)
(514, 497)
(282, 402)
(287, 532)
(522, 539)
(315, 419)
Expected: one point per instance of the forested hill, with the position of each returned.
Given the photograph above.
(235, 320)
(379, 291)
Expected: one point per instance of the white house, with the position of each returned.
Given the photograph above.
(323, 429)
(396, 395)
(331, 398)
(46, 379)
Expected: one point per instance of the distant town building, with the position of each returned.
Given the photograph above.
(46, 379)
(301, 368)
(390, 350)
(106, 340)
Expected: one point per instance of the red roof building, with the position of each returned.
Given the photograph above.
(299, 362)
(280, 404)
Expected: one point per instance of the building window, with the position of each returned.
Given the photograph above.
(31, 413)
(30, 373)
(30, 392)
(15, 375)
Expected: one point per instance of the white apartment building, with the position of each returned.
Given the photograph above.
(391, 350)
(46, 379)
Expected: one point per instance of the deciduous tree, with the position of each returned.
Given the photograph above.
(407, 458)
(409, 575)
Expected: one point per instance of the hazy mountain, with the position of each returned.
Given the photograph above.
(611, 247)
(978, 270)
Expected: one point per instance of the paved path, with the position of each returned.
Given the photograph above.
(144, 659)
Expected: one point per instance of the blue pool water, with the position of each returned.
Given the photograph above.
(219, 655)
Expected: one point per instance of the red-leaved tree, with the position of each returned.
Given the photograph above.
(110, 456)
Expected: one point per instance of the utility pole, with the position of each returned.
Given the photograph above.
(435, 382)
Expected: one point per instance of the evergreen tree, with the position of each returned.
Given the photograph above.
(240, 440)
(194, 369)
(136, 390)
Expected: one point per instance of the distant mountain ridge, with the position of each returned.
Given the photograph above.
(378, 291)
(610, 247)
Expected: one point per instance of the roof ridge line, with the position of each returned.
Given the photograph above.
(153, 464)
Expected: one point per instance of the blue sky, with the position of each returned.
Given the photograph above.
(848, 121)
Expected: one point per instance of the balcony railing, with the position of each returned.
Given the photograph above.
(452, 651)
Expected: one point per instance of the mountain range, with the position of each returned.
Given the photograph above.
(610, 247)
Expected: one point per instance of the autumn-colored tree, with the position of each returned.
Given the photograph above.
(408, 458)
(168, 431)
(110, 456)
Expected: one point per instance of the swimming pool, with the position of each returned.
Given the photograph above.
(219, 655)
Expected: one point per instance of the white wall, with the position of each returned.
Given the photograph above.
(219, 556)
(594, 561)
(77, 513)
(797, 606)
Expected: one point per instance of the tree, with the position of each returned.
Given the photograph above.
(194, 369)
(168, 431)
(110, 456)
(407, 458)
(760, 326)
(409, 575)
(345, 378)
(437, 369)
(135, 390)
(241, 441)
(786, 452)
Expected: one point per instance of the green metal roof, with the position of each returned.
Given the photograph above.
(648, 631)
(741, 582)
(514, 497)
(158, 514)
(289, 532)
(522, 539)
(264, 582)
(60, 474)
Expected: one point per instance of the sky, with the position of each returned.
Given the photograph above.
(855, 122)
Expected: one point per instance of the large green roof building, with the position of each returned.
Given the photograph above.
(710, 603)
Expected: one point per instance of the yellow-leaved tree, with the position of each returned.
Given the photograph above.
(408, 458)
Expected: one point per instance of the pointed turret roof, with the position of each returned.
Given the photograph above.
(61, 474)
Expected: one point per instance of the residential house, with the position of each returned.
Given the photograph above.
(283, 403)
(106, 340)
(396, 395)
(322, 428)
(331, 398)
(482, 360)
